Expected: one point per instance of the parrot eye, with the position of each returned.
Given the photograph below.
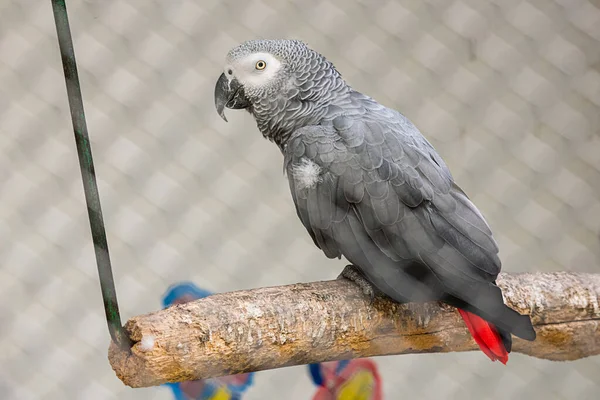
(260, 65)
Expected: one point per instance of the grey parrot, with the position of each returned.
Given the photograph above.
(368, 186)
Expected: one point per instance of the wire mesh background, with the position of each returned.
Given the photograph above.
(507, 91)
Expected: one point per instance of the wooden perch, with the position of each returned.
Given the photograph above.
(268, 328)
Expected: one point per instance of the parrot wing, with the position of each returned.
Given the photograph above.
(371, 188)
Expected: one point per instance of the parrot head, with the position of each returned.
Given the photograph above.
(280, 82)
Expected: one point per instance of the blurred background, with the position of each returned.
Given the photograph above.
(507, 91)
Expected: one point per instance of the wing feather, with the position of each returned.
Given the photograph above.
(402, 192)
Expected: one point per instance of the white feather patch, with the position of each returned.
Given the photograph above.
(246, 73)
(306, 174)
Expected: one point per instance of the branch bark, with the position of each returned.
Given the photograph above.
(276, 327)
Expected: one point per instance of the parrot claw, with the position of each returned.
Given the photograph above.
(420, 313)
(353, 274)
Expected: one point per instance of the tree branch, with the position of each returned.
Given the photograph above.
(276, 327)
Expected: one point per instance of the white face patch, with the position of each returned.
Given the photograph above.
(306, 174)
(247, 70)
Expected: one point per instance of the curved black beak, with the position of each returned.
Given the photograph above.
(230, 94)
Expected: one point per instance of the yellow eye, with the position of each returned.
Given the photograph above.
(260, 65)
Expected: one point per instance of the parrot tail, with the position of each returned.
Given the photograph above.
(486, 335)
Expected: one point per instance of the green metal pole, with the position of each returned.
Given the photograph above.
(86, 164)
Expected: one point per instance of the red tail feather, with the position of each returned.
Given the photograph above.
(486, 335)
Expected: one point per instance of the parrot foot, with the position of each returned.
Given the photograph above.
(353, 274)
(421, 314)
